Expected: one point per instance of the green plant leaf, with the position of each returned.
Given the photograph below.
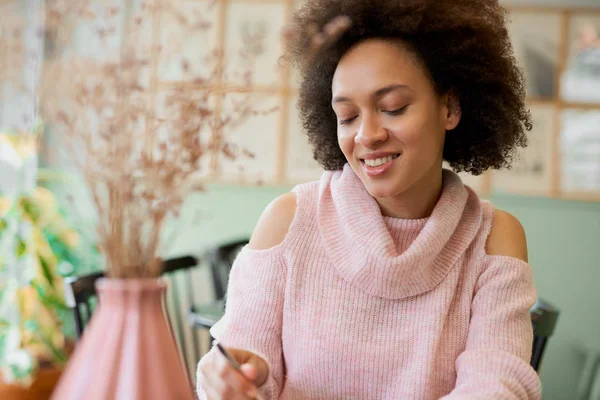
(21, 248)
(46, 271)
(55, 302)
(31, 209)
(39, 289)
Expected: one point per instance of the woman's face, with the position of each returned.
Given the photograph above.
(391, 122)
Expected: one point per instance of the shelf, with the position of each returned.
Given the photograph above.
(581, 106)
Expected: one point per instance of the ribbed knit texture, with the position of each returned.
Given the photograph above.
(355, 305)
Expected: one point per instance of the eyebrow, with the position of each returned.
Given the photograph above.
(378, 93)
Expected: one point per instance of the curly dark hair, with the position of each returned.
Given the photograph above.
(463, 45)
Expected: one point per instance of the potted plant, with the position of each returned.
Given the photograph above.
(36, 245)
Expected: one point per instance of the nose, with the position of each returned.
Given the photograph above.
(370, 132)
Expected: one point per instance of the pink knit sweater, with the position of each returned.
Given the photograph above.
(355, 305)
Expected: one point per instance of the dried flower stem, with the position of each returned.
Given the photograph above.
(136, 146)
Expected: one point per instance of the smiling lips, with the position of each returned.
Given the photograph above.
(379, 165)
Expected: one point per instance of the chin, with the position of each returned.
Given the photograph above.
(384, 188)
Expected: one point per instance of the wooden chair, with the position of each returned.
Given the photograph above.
(543, 317)
(81, 297)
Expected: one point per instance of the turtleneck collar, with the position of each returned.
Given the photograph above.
(390, 257)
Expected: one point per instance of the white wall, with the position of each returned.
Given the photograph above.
(18, 107)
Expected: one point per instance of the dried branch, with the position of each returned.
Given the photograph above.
(136, 146)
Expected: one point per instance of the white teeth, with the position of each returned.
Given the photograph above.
(379, 161)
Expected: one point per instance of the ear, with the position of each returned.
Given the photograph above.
(453, 110)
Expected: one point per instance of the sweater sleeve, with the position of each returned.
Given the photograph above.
(253, 313)
(495, 363)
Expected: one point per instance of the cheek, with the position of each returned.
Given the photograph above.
(410, 132)
(419, 132)
(345, 141)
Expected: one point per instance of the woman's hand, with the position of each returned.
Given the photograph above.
(223, 382)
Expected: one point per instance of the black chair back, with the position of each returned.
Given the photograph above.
(221, 260)
(80, 296)
(543, 317)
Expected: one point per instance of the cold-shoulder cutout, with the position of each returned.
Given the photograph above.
(507, 237)
(274, 223)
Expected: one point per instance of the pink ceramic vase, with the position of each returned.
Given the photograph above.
(127, 351)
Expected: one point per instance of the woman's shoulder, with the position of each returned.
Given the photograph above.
(506, 237)
(288, 212)
(501, 233)
(274, 223)
(500, 245)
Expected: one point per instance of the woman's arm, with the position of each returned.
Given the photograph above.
(495, 363)
(253, 316)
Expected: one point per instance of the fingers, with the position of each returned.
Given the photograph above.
(249, 372)
(221, 381)
(241, 356)
(256, 366)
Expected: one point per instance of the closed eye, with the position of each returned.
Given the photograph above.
(396, 112)
(347, 121)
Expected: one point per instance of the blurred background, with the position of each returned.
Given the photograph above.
(554, 187)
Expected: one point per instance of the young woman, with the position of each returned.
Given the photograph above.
(388, 278)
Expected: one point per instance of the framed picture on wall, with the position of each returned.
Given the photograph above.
(253, 142)
(580, 151)
(536, 38)
(531, 172)
(580, 82)
(188, 40)
(253, 35)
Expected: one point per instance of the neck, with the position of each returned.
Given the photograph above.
(416, 202)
